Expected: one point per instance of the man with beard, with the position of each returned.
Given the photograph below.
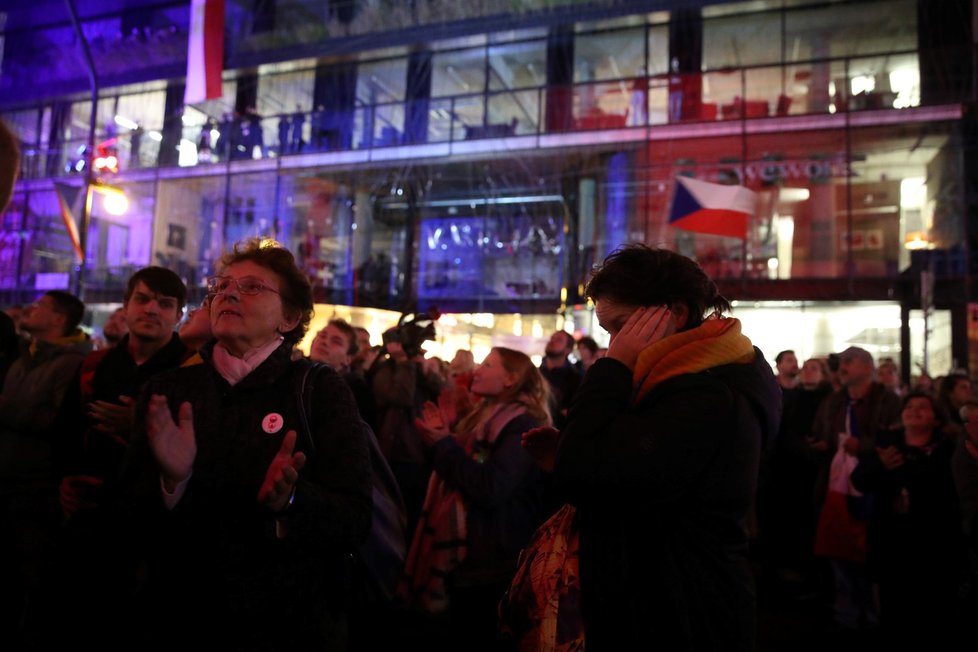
(562, 376)
(787, 365)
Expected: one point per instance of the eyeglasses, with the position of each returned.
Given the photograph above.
(248, 285)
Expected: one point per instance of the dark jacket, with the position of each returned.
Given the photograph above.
(505, 499)
(218, 552)
(913, 506)
(662, 490)
(105, 375)
(33, 392)
(882, 412)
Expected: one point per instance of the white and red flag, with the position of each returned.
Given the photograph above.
(205, 51)
(704, 207)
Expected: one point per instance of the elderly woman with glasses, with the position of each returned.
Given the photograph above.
(251, 508)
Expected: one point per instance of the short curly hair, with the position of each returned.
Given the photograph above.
(296, 291)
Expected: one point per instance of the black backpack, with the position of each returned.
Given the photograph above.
(380, 559)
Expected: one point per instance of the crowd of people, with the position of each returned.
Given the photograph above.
(197, 477)
(869, 496)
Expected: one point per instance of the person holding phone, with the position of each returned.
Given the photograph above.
(659, 456)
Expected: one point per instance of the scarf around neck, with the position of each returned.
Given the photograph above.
(235, 369)
(713, 343)
(441, 538)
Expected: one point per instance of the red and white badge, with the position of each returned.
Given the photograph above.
(272, 423)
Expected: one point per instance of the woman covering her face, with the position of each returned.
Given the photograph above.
(251, 516)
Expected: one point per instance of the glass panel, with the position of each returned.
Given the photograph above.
(837, 30)
(444, 112)
(658, 50)
(251, 209)
(381, 263)
(24, 125)
(737, 41)
(285, 93)
(458, 73)
(515, 113)
(388, 121)
(604, 106)
(469, 120)
(381, 88)
(119, 237)
(382, 81)
(906, 186)
(10, 241)
(317, 214)
(883, 82)
(468, 261)
(49, 257)
(518, 65)
(188, 230)
(659, 100)
(135, 116)
(614, 55)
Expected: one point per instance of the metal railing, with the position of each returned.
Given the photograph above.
(799, 88)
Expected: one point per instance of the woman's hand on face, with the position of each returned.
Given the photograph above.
(541, 444)
(644, 326)
(173, 442)
(282, 474)
(432, 424)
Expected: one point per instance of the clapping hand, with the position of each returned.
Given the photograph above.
(114, 419)
(282, 475)
(173, 442)
(432, 424)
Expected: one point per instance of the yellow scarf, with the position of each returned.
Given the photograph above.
(715, 342)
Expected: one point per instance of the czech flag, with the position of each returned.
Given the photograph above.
(205, 51)
(712, 208)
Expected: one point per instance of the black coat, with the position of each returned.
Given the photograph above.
(218, 553)
(662, 490)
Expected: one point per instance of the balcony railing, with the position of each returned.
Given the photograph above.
(807, 88)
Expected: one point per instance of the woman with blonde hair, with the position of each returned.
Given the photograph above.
(484, 500)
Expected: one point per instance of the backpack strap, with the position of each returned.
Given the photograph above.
(302, 387)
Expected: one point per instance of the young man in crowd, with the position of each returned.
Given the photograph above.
(110, 381)
(786, 363)
(337, 346)
(33, 392)
(563, 377)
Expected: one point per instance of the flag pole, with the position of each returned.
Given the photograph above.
(78, 286)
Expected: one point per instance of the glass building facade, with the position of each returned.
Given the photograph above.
(482, 162)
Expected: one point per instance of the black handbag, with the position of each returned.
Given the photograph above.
(381, 557)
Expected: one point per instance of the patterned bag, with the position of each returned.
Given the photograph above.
(542, 609)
